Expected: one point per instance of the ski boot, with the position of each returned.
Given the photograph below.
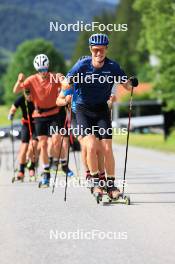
(19, 177)
(88, 179)
(50, 162)
(45, 181)
(32, 176)
(112, 191)
(102, 181)
(96, 189)
(67, 171)
(31, 168)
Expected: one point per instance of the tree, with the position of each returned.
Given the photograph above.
(158, 31)
(82, 47)
(123, 47)
(22, 61)
(5, 57)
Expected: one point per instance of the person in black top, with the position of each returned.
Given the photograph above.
(24, 102)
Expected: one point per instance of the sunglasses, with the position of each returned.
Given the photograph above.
(95, 50)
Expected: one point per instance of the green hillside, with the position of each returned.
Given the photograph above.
(29, 19)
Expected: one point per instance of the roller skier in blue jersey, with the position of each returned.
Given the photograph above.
(95, 77)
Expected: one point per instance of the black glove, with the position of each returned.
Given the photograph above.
(134, 81)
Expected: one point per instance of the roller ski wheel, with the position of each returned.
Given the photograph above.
(13, 179)
(127, 200)
(32, 179)
(98, 196)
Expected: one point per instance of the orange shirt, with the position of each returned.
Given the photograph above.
(44, 92)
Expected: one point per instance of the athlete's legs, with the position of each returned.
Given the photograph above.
(43, 149)
(91, 147)
(64, 149)
(83, 153)
(108, 157)
(56, 143)
(22, 153)
(50, 147)
(32, 151)
(23, 150)
(100, 156)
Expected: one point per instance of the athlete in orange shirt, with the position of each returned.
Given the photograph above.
(44, 88)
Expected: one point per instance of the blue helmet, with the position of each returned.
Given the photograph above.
(98, 39)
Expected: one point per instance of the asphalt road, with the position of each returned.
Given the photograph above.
(37, 226)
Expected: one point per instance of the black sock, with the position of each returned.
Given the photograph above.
(22, 167)
(50, 161)
(32, 166)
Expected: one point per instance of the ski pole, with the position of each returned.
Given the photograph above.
(68, 154)
(65, 125)
(76, 165)
(128, 132)
(13, 149)
(30, 127)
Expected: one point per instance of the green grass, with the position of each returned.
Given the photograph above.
(150, 141)
(4, 110)
(3, 115)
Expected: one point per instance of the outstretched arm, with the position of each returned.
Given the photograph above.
(18, 87)
(12, 112)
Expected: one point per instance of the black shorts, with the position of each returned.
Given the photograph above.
(47, 126)
(94, 120)
(62, 116)
(25, 133)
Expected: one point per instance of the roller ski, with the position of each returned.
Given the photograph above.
(45, 181)
(19, 177)
(121, 199)
(112, 195)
